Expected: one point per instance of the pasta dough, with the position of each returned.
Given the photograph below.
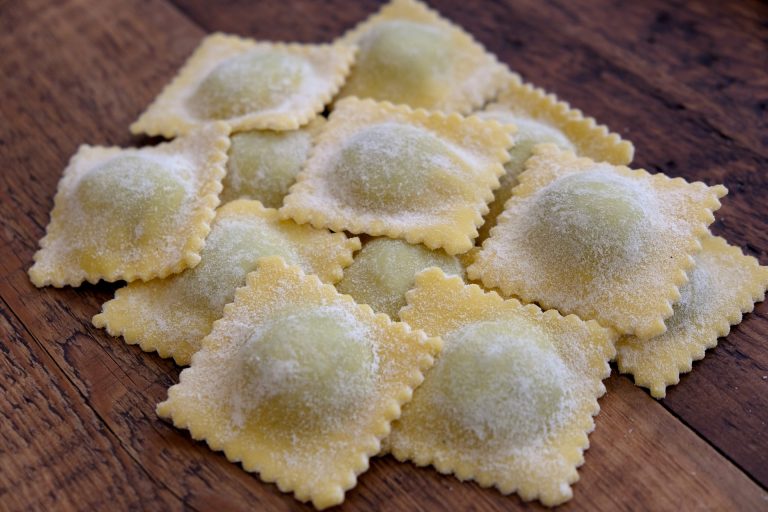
(410, 55)
(128, 214)
(389, 170)
(510, 401)
(263, 164)
(249, 84)
(604, 242)
(542, 118)
(722, 286)
(171, 316)
(299, 383)
(384, 270)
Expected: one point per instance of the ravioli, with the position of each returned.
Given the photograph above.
(410, 55)
(510, 400)
(263, 164)
(128, 214)
(385, 269)
(172, 316)
(603, 242)
(250, 85)
(722, 286)
(299, 383)
(388, 170)
(542, 118)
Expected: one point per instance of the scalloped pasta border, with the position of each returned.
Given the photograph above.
(575, 440)
(479, 270)
(361, 448)
(584, 132)
(343, 219)
(413, 10)
(212, 171)
(168, 115)
(119, 322)
(718, 325)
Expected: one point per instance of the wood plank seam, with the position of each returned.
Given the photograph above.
(73, 370)
(653, 88)
(129, 451)
(185, 13)
(715, 447)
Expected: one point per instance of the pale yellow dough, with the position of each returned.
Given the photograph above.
(263, 164)
(410, 55)
(510, 401)
(542, 118)
(722, 286)
(173, 315)
(604, 242)
(299, 383)
(250, 85)
(128, 214)
(382, 169)
(386, 268)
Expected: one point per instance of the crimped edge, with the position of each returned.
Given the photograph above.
(120, 324)
(208, 202)
(335, 269)
(311, 129)
(433, 237)
(364, 447)
(410, 8)
(670, 293)
(591, 139)
(199, 221)
(719, 326)
(573, 452)
(167, 115)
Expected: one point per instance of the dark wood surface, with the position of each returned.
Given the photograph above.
(686, 82)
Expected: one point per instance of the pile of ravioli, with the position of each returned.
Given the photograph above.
(391, 244)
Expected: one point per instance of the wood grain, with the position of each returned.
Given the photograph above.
(53, 440)
(650, 82)
(78, 406)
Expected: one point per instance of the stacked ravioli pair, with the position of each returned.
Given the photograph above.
(505, 257)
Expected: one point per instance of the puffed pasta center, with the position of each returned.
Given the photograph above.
(529, 133)
(691, 309)
(309, 366)
(136, 191)
(391, 167)
(231, 251)
(592, 219)
(404, 59)
(256, 80)
(386, 268)
(138, 197)
(500, 381)
(263, 165)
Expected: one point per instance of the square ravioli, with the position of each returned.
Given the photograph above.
(299, 383)
(542, 118)
(722, 286)
(386, 268)
(510, 400)
(410, 55)
(248, 84)
(127, 214)
(263, 164)
(173, 315)
(383, 169)
(605, 242)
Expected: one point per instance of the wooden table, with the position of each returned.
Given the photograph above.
(686, 82)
